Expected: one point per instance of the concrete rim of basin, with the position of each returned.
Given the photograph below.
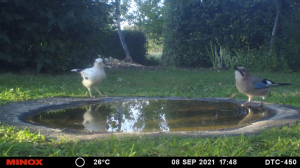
(14, 114)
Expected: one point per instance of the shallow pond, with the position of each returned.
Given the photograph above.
(153, 115)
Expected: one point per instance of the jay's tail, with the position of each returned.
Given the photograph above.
(282, 84)
(277, 84)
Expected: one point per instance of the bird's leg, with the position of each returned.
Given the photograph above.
(262, 101)
(249, 100)
(99, 92)
(98, 107)
(91, 93)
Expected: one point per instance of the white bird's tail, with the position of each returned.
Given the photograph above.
(76, 70)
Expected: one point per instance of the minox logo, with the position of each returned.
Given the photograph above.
(36, 162)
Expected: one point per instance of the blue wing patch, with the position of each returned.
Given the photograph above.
(260, 85)
(263, 84)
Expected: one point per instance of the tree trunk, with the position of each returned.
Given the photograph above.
(128, 58)
(276, 24)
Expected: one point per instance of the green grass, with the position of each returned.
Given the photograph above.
(283, 141)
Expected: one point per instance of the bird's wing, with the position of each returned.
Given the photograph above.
(93, 74)
(263, 83)
(260, 83)
(85, 73)
(88, 74)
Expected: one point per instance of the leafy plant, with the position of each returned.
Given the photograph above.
(216, 60)
(223, 58)
(228, 60)
(242, 57)
(261, 59)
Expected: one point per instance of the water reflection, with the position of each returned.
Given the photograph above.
(252, 116)
(93, 120)
(151, 116)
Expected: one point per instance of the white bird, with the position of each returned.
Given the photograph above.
(93, 119)
(253, 86)
(92, 77)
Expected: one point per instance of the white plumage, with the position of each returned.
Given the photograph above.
(93, 120)
(92, 77)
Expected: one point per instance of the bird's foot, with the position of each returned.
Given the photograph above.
(101, 95)
(93, 97)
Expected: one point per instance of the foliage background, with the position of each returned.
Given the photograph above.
(242, 25)
(55, 36)
(60, 35)
(51, 35)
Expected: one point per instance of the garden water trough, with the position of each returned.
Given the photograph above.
(86, 118)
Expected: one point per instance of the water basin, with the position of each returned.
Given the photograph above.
(153, 115)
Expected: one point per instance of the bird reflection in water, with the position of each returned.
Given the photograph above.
(252, 116)
(93, 120)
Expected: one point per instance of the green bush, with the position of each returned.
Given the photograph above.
(244, 26)
(51, 36)
(289, 41)
(191, 26)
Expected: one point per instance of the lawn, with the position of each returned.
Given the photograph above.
(284, 141)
